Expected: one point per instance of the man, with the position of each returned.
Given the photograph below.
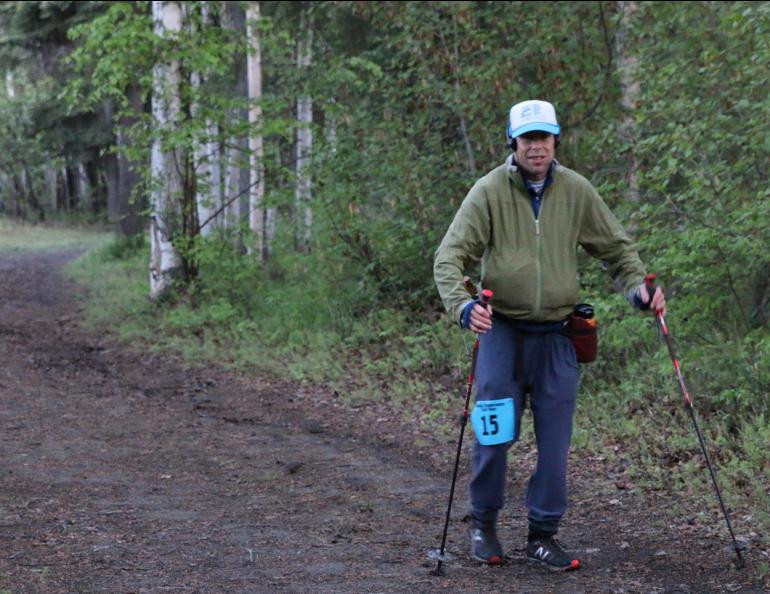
(524, 220)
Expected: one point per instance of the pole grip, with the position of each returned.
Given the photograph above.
(486, 296)
(649, 283)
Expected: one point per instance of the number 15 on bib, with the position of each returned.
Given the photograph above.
(493, 421)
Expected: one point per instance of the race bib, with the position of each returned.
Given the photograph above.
(493, 421)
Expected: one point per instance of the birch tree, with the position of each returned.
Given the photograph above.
(256, 142)
(236, 144)
(208, 168)
(165, 261)
(304, 136)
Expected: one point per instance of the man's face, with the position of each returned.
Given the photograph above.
(535, 152)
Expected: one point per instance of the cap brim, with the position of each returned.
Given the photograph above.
(536, 126)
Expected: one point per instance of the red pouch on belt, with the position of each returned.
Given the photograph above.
(582, 331)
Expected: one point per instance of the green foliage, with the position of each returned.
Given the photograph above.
(704, 217)
(389, 185)
(114, 51)
(39, 133)
(124, 247)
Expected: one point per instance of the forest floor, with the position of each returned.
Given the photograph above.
(126, 471)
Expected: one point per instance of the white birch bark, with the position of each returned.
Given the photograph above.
(232, 187)
(10, 86)
(51, 185)
(233, 18)
(83, 187)
(206, 157)
(256, 141)
(63, 176)
(304, 140)
(165, 262)
(208, 171)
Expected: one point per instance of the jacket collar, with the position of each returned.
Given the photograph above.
(515, 176)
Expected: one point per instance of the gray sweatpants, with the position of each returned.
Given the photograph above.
(512, 364)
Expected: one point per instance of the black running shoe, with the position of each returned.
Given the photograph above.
(548, 551)
(484, 544)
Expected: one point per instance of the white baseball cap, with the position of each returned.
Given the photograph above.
(532, 115)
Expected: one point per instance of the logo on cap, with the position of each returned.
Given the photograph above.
(530, 111)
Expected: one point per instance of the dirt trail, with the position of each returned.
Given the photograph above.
(129, 472)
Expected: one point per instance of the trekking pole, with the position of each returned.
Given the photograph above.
(440, 555)
(649, 281)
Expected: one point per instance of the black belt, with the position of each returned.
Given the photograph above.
(530, 327)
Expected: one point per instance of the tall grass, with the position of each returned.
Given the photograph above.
(18, 236)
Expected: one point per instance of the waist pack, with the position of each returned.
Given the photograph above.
(581, 328)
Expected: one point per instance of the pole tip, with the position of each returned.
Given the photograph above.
(437, 571)
(739, 561)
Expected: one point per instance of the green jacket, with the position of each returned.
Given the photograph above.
(531, 264)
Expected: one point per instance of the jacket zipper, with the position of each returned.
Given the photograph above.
(538, 269)
(538, 250)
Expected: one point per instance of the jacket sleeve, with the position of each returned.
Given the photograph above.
(464, 243)
(604, 238)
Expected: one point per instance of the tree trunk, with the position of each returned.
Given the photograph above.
(31, 194)
(256, 142)
(109, 164)
(166, 220)
(97, 183)
(18, 192)
(208, 172)
(84, 188)
(206, 155)
(234, 162)
(51, 179)
(130, 204)
(304, 140)
(71, 177)
(62, 190)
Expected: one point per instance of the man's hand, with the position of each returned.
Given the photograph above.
(477, 318)
(658, 303)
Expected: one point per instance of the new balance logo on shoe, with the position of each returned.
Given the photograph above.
(549, 552)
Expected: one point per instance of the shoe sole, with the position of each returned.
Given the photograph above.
(493, 560)
(575, 564)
